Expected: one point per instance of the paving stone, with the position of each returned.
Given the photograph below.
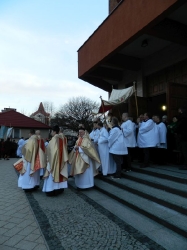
(2, 211)
(13, 240)
(2, 247)
(25, 223)
(10, 212)
(27, 230)
(12, 231)
(3, 230)
(2, 223)
(15, 220)
(41, 247)
(37, 231)
(9, 225)
(26, 245)
(3, 238)
(20, 215)
(39, 239)
(4, 217)
(32, 237)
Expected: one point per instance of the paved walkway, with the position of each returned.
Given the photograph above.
(70, 221)
(19, 228)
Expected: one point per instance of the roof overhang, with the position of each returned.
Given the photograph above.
(117, 43)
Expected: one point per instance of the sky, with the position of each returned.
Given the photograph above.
(39, 40)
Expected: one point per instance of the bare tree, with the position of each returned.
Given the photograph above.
(77, 110)
(49, 108)
(24, 112)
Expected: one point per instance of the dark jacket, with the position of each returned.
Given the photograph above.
(181, 127)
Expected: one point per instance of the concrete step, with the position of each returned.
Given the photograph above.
(156, 182)
(132, 219)
(165, 216)
(164, 172)
(172, 201)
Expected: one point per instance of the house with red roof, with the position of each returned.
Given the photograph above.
(16, 125)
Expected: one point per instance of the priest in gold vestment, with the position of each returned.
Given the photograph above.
(56, 174)
(41, 156)
(29, 175)
(84, 161)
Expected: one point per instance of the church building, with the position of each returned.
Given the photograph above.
(143, 43)
(41, 115)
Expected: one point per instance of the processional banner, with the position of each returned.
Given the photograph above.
(117, 97)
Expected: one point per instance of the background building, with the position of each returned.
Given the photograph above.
(16, 125)
(41, 115)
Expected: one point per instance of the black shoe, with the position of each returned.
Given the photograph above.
(59, 191)
(51, 193)
(29, 190)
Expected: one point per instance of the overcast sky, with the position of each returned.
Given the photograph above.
(39, 40)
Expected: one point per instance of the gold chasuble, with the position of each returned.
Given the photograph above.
(40, 161)
(30, 151)
(57, 159)
(64, 138)
(80, 161)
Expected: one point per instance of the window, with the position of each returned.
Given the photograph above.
(16, 133)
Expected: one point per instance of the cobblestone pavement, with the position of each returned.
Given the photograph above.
(70, 221)
(80, 223)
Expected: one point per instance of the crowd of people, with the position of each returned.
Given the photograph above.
(7, 149)
(106, 150)
(151, 139)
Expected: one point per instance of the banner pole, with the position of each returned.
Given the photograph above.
(135, 97)
(103, 107)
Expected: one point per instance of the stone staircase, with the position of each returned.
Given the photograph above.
(151, 200)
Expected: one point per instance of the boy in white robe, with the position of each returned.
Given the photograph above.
(117, 147)
(20, 145)
(161, 147)
(147, 137)
(108, 166)
(94, 135)
(128, 129)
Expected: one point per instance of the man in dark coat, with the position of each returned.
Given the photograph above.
(7, 149)
(181, 131)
